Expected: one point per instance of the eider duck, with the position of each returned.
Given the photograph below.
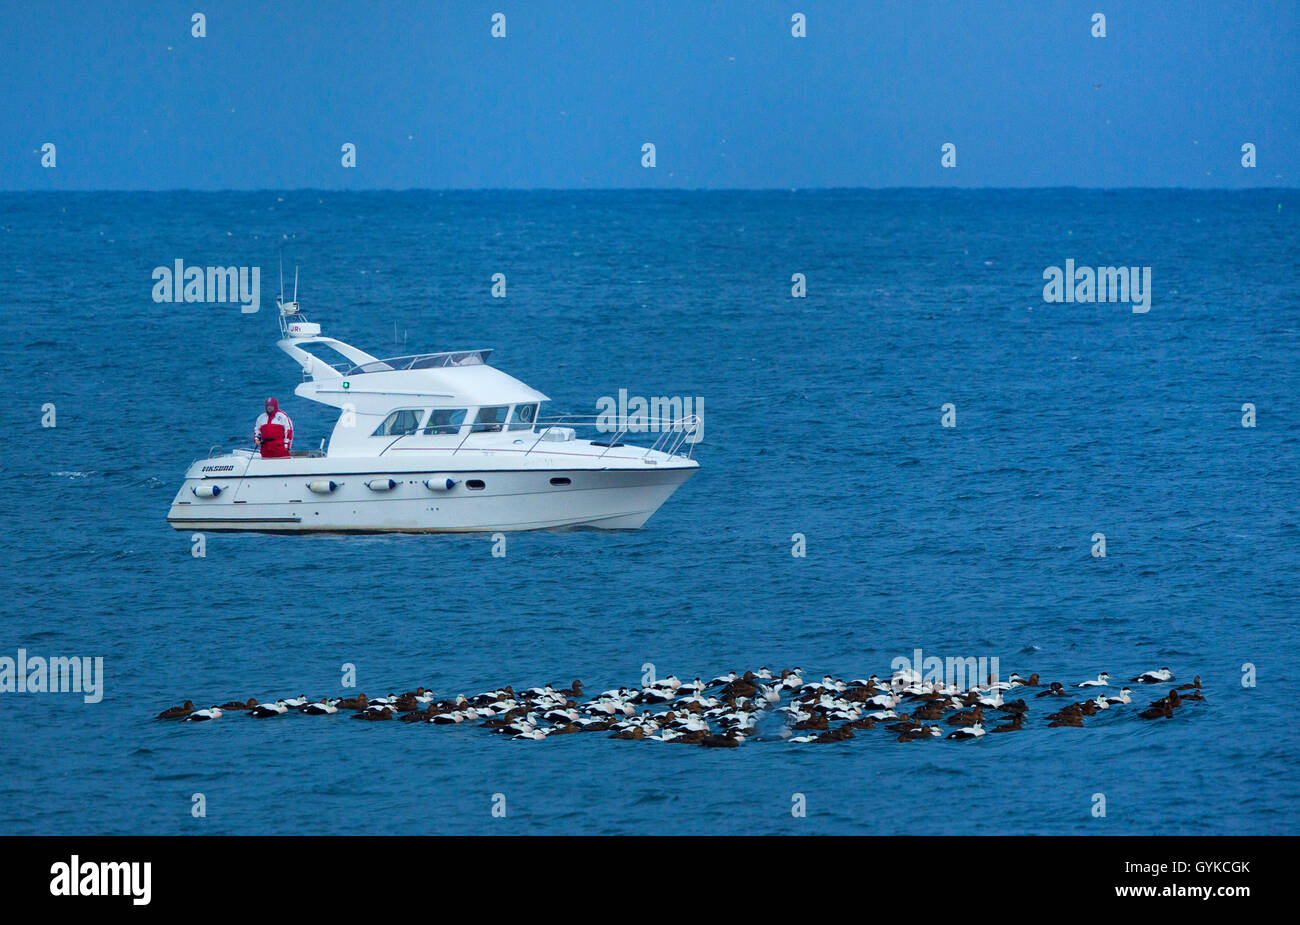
(1103, 680)
(1016, 724)
(920, 732)
(183, 710)
(322, 708)
(1066, 719)
(1122, 698)
(973, 717)
(235, 705)
(1154, 677)
(1161, 709)
(722, 741)
(374, 712)
(838, 734)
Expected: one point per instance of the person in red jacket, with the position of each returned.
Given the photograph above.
(273, 432)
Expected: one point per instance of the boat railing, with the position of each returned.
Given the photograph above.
(673, 436)
(420, 361)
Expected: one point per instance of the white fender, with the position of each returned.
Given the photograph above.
(323, 486)
(206, 490)
(381, 484)
(440, 483)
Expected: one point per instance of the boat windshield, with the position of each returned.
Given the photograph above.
(423, 361)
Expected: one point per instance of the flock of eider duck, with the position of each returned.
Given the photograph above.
(724, 712)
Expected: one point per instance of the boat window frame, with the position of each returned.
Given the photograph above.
(420, 415)
(450, 429)
(490, 427)
(512, 422)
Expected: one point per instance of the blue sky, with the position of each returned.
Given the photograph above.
(729, 98)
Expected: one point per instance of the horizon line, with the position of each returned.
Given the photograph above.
(659, 189)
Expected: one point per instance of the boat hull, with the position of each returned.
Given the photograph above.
(281, 501)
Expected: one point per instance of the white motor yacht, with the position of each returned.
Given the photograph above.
(434, 443)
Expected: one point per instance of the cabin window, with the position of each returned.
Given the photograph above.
(489, 420)
(522, 417)
(400, 423)
(445, 420)
(475, 485)
(559, 480)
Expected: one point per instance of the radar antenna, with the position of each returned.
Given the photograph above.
(292, 322)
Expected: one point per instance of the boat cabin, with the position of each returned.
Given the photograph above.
(428, 400)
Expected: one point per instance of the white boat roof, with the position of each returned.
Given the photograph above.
(457, 378)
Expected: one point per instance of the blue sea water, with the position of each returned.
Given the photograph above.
(822, 417)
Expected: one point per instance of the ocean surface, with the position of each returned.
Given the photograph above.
(822, 417)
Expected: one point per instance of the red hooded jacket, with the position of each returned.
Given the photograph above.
(273, 432)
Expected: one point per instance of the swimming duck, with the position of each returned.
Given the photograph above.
(1067, 719)
(1103, 680)
(1161, 709)
(920, 732)
(183, 710)
(374, 712)
(1016, 724)
(722, 741)
(321, 708)
(235, 705)
(973, 717)
(1031, 681)
(838, 734)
